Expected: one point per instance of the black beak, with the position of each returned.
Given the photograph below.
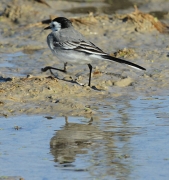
(47, 28)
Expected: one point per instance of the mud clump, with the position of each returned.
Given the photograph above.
(124, 82)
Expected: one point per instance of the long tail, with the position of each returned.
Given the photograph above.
(110, 58)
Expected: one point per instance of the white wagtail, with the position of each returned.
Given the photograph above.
(71, 46)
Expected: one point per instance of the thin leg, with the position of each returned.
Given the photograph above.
(49, 68)
(90, 73)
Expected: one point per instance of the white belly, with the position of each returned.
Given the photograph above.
(74, 57)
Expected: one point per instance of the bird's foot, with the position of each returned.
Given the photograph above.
(45, 68)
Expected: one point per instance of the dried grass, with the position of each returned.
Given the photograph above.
(144, 21)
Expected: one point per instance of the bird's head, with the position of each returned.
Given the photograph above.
(59, 23)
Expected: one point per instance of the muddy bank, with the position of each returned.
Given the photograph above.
(24, 52)
(47, 95)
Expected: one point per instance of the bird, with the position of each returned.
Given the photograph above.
(70, 46)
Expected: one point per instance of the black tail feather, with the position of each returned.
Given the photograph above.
(111, 58)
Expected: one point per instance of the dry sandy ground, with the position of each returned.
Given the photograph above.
(132, 36)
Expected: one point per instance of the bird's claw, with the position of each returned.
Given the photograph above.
(44, 69)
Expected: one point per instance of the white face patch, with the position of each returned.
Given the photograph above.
(55, 26)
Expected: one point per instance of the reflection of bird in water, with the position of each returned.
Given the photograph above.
(71, 140)
(92, 144)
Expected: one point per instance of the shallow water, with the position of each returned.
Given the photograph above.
(130, 144)
(6, 59)
(8, 65)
